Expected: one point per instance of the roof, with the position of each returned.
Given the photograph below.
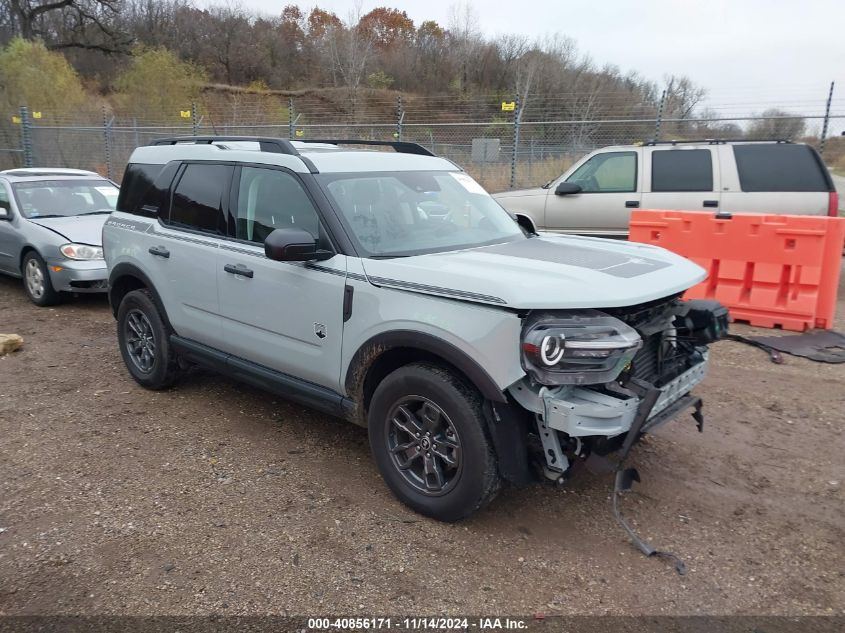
(53, 173)
(298, 156)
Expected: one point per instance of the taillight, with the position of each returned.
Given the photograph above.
(833, 204)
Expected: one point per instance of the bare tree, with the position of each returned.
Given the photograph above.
(85, 24)
(777, 124)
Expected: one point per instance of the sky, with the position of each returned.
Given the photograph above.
(746, 53)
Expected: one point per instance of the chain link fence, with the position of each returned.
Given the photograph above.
(502, 144)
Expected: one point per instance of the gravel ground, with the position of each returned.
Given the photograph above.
(218, 498)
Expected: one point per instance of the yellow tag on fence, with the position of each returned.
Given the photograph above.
(300, 133)
(36, 115)
(185, 114)
(508, 106)
(16, 119)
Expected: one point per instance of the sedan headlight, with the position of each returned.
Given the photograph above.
(577, 348)
(81, 251)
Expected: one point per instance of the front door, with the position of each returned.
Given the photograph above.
(287, 316)
(610, 188)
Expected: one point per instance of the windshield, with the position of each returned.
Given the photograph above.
(65, 198)
(392, 214)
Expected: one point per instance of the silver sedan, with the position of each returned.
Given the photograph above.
(51, 223)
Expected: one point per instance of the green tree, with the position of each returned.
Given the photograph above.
(43, 80)
(158, 84)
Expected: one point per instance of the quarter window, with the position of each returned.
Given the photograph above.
(270, 199)
(780, 167)
(611, 172)
(681, 170)
(198, 198)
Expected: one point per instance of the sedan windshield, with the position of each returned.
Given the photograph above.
(394, 214)
(65, 198)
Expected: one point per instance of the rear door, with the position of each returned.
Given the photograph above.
(683, 178)
(774, 178)
(181, 255)
(610, 184)
(287, 316)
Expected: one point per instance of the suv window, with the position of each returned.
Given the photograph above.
(779, 167)
(681, 170)
(197, 201)
(611, 172)
(270, 199)
(137, 180)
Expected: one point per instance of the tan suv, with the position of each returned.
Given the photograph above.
(596, 195)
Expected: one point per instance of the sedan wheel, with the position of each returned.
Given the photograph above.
(34, 279)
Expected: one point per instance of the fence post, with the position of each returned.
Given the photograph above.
(194, 120)
(826, 118)
(107, 141)
(290, 118)
(659, 120)
(26, 137)
(400, 116)
(517, 116)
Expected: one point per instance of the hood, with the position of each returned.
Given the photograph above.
(519, 193)
(82, 229)
(547, 272)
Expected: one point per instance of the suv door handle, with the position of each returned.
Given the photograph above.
(240, 269)
(159, 251)
(711, 203)
(632, 204)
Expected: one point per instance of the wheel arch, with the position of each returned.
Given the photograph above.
(386, 352)
(123, 279)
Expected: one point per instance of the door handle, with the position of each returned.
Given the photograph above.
(240, 269)
(711, 203)
(632, 204)
(159, 251)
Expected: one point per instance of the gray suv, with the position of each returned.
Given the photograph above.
(390, 289)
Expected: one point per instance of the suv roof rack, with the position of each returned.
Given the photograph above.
(718, 141)
(402, 147)
(265, 143)
(284, 146)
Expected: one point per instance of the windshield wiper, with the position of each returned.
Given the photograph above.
(94, 213)
(387, 256)
(547, 185)
(47, 215)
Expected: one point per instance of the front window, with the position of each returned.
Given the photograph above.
(610, 172)
(393, 214)
(65, 198)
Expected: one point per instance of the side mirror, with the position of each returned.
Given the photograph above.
(567, 188)
(293, 245)
(5, 214)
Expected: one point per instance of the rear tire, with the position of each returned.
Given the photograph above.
(36, 281)
(429, 439)
(144, 341)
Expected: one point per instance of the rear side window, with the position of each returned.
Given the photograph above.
(682, 170)
(779, 167)
(197, 201)
(137, 181)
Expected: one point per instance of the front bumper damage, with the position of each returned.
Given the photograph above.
(583, 412)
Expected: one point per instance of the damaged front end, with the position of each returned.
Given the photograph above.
(597, 380)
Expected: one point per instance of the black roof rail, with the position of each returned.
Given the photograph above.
(718, 141)
(265, 143)
(402, 147)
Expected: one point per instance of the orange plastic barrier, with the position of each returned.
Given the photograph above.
(769, 270)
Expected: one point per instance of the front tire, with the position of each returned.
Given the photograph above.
(144, 341)
(36, 281)
(429, 439)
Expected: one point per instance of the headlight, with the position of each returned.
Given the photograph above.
(577, 348)
(81, 251)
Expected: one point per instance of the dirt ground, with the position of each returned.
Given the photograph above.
(214, 497)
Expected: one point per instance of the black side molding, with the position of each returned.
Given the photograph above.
(299, 391)
(380, 343)
(348, 295)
